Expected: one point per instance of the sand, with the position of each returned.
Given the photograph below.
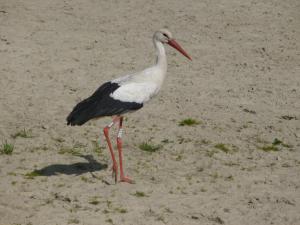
(239, 165)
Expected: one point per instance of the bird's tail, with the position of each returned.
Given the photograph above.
(80, 114)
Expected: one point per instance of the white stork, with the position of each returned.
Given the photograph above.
(125, 94)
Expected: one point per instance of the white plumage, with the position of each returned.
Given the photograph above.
(135, 92)
(139, 87)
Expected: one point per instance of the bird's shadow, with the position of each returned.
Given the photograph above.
(77, 168)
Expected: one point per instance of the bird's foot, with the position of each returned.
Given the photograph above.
(126, 179)
(114, 172)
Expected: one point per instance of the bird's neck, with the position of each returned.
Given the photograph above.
(161, 58)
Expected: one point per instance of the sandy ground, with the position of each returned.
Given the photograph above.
(243, 85)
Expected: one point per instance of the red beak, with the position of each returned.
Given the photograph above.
(175, 45)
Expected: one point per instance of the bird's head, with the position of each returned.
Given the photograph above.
(164, 36)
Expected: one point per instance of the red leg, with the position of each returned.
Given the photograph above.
(106, 134)
(119, 145)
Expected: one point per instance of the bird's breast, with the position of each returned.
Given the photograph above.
(154, 74)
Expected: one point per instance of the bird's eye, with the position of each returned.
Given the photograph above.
(166, 35)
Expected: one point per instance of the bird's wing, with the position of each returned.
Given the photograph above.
(138, 92)
(101, 104)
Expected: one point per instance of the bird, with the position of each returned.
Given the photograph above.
(124, 95)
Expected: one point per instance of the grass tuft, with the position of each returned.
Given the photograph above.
(178, 158)
(275, 146)
(279, 142)
(148, 147)
(140, 194)
(7, 148)
(121, 210)
(94, 200)
(166, 141)
(109, 220)
(97, 148)
(276, 142)
(189, 122)
(23, 134)
(33, 174)
(71, 151)
(269, 148)
(222, 147)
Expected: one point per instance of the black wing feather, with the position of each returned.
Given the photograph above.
(100, 104)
